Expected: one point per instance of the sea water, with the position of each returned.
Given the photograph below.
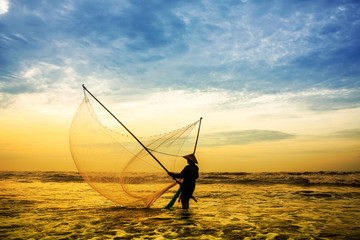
(308, 205)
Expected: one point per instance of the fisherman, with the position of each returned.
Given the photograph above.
(189, 175)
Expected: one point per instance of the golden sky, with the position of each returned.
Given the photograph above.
(283, 137)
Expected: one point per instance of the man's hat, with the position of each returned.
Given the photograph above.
(191, 157)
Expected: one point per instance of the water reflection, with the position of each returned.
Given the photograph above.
(187, 216)
(40, 210)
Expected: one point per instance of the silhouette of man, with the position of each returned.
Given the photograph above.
(189, 175)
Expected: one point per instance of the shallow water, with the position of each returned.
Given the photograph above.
(58, 205)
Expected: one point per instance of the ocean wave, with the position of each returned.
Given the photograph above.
(328, 194)
(351, 179)
(48, 176)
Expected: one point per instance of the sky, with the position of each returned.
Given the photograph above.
(276, 82)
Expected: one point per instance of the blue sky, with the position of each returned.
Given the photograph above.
(282, 60)
(254, 46)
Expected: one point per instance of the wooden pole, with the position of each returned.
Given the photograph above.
(197, 137)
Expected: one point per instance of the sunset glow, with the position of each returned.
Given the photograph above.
(277, 83)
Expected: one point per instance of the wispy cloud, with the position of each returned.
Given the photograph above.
(243, 137)
(253, 48)
(347, 133)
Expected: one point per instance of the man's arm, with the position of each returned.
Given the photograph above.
(179, 175)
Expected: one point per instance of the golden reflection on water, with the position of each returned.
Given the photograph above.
(55, 210)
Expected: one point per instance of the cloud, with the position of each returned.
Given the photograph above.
(330, 100)
(4, 6)
(128, 26)
(261, 48)
(242, 137)
(316, 100)
(347, 133)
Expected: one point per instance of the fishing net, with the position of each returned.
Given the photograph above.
(113, 163)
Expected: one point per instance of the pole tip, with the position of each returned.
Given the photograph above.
(83, 86)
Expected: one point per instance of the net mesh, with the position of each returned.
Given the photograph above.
(116, 165)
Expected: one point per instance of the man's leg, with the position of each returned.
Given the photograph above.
(185, 202)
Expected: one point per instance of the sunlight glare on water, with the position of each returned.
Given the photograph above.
(55, 205)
